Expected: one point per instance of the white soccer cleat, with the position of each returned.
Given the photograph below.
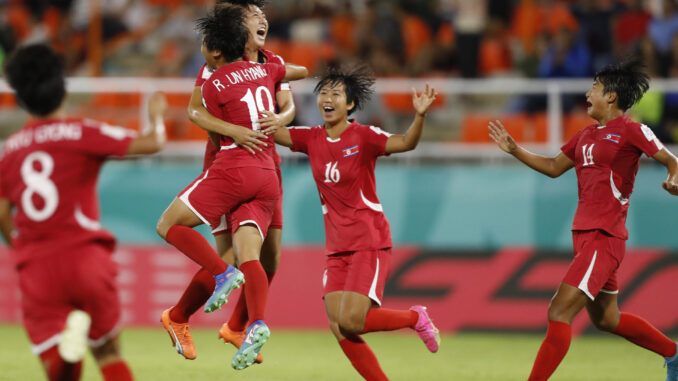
(73, 343)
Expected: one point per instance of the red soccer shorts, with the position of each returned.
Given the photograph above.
(597, 256)
(247, 195)
(81, 278)
(364, 272)
(276, 220)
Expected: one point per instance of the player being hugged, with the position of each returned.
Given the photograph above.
(239, 190)
(49, 215)
(176, 319)
(605, 157)
(343, 154)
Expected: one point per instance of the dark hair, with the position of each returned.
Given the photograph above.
(223, 30)
(36, 73)
(357, 79)
(627, 78)
(244, 3)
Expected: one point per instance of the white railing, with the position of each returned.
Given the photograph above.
(553, 89)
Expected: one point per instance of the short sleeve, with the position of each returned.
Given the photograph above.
(301, 137)
(203, 75)
(569, 148)
(375, 140)
(642, 137)
(101, 139)
(277, 71)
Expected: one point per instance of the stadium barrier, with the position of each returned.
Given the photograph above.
(504, 290)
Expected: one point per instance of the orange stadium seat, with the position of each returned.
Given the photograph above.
(474, 127)
(7, 100)
(538, 130)
(574, 122)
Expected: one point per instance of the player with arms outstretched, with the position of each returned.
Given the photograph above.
(239, 190)
(49, 215)
(343, 154)
(605, 157)
(175, 319)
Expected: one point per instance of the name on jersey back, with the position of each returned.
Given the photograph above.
(242, 75)
(43, 134)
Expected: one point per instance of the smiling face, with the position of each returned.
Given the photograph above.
(256, 23)
(597, 101)
(332, 102)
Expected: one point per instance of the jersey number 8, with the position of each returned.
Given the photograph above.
(38, 182)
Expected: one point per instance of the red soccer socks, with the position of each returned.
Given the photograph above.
(117, 371)
(195, 295)
(239, 318)
(640, 332)
(362, 358)
(57, 369)
(196, 247)
(552, 350)
(383, 319)
(256, 289)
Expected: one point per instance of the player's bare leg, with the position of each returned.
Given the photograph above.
(564, 306)
(113, 366)
(355, 348)
(605, 315)
(247, 242)
(175, 226)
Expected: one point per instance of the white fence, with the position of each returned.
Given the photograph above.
(445, 119)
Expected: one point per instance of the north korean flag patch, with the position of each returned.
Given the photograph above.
(350, 151)
(614, 138)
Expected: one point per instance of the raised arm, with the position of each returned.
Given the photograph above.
(295, 72)
(243, 136)
(665, 157)
(409, 141)
(154, 139)
(6, 225)
(550, 166)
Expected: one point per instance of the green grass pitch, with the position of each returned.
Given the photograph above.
(314, 355)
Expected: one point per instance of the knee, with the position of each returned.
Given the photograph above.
(162, 227)
(605, 323)
(336, 331)
(352, 324)
(108, 353)
(558, 312)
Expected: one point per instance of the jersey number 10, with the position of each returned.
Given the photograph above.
(255, 104)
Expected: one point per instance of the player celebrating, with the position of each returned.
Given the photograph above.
(63, 255)
(605, 157)
(342, 154)
(175, 319)
(240, 185)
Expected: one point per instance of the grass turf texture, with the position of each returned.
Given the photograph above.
(313, 355)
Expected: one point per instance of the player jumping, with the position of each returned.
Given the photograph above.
(605, 157)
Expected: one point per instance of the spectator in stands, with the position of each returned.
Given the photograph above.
(662, 30)
(595, 19)
(630, 28)
(470, 20)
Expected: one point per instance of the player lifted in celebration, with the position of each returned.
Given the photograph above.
(49, 176)
(242, 186)
(175, 319)
(358, 244)
(605, 157)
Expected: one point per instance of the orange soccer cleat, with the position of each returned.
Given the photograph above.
(180, 335)
(235, 338)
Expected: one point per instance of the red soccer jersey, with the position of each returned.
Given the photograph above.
(205, 73)
(606, 162)
(237, 93)
(343, 170)
(49, 171)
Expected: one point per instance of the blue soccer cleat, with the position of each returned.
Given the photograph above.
(256, 337)
(671, 365)
(226, 282)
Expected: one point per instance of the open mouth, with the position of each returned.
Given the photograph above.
(328, 109)
(261, 32)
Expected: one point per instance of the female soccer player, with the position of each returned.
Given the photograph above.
(343, 153)
(48, 193)
(239, 190)
(605, 157)
(175, 319)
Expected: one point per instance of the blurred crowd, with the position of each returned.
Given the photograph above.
(452, 38)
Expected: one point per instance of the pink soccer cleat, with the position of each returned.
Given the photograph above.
(428, 332)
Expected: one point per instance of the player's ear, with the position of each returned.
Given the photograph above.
(611, 97)
(350, 106)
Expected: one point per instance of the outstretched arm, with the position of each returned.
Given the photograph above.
(283, 137)
(550, 166)
(665, 157)
(243, 136)
(409, 141)
(295, 72)
(6, 225)
(271, 122)
(153, 140)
